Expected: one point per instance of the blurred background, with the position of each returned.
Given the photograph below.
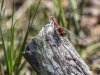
(21, 20)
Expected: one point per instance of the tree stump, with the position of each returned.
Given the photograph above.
(51, 54)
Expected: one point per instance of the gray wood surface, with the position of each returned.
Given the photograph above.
(51, 54)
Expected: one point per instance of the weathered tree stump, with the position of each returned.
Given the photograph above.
(51, 54)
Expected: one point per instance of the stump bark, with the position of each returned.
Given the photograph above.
(51, 54)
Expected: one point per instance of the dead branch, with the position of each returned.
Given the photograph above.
(51, 54)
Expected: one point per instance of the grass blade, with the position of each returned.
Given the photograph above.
(2, 39)
(18, 59)
(60, 12)
(75, 15)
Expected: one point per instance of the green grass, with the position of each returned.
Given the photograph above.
(13, 63)
(60, 13)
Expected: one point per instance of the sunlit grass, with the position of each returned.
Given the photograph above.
(13, 63)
